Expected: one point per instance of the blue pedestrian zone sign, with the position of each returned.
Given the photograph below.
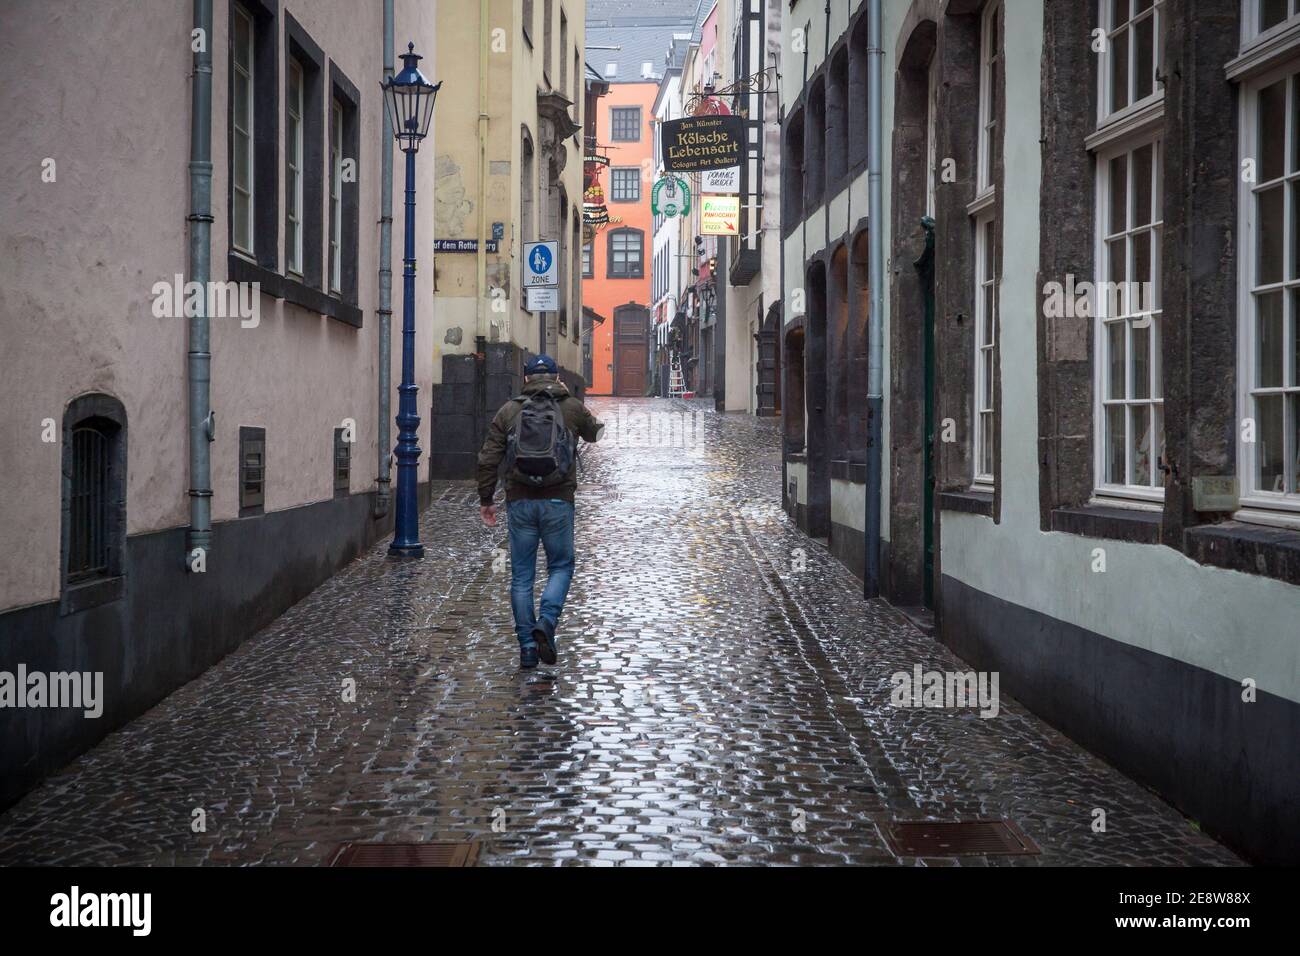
(539, 264)
(541, 259)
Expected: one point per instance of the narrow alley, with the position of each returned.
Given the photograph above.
(723, 695)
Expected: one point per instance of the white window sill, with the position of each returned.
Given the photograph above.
(1135, 499)
(982, 202)
(1263, 52)
(1275, 515)
(1130, 123)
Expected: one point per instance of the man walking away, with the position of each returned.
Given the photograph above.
(533, 441)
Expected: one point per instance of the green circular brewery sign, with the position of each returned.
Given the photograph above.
(670, 197)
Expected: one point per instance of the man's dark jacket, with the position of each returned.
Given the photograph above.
(577, 419)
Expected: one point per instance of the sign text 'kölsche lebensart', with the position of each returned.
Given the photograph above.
(696, 143)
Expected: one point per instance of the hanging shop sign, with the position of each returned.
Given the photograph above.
(709, 105)
(721, 180)
(670, 197)
(719, 215)
(594, 211)
(696, 143)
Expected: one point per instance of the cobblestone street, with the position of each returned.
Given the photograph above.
(712, 703)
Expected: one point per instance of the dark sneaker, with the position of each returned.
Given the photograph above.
(543, 635)
(528, 657)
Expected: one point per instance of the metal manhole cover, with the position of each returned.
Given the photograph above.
(958, 838)
(406, 854)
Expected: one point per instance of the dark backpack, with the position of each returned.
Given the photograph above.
(539, 447)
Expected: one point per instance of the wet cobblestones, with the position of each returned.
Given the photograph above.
(711, 704)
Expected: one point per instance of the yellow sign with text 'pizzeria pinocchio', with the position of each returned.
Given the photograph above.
(719, 215)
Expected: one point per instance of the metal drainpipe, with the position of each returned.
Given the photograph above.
(480, 317)
(383, 494)
(876, 248)
(720, 328)
(201, 419)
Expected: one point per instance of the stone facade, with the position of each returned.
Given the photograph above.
(91, 355)
(992, 116)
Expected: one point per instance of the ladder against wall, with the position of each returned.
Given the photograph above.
(676, 385)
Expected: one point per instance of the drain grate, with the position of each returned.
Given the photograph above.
(406, 854)
(958, 838)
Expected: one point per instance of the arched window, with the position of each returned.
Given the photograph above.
(94, 502)
(792, 172)
(526, 231)
(794, 391)
(814, 164)
(858, 101)
(837, 114)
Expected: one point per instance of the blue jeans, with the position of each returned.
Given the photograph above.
(548, 522)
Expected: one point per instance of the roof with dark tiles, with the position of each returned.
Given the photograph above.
(647, 31)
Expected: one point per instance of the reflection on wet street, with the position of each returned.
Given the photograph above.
(722, 696)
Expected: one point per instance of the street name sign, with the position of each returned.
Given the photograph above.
(462, 245)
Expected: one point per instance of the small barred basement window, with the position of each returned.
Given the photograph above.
(252, 470)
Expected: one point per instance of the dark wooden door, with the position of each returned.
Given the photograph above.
(631, 369)
(769, 363)
(631, 349)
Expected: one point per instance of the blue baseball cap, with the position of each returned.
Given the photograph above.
(541, 365)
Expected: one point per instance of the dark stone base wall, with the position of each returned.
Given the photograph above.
(850, 548)
(1182, 731)
(170, 625)
(847, 545)
(461, 413)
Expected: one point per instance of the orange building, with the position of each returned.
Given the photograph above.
(616, 269)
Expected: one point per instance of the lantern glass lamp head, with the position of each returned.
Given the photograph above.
(409, 97)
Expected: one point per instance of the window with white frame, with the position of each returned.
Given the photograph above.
(336, 196)
(242, 148)
(990, 55)
(1259, 17)
(984, 223)
(1129, 412)
(294, 171)
(985, 339)
(1269, 279)
(625, 122)
(1133, 56)
(931, 148)
(626, 254)
(625, 183)
(586, 260)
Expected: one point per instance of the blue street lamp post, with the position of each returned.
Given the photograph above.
(409, 97)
